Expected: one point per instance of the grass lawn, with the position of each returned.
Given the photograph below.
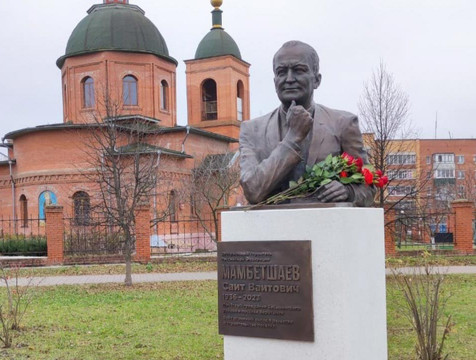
(440, 260)
(461, 343)
(178, 321)
(149, 321)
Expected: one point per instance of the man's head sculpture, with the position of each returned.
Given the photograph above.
(296, 73)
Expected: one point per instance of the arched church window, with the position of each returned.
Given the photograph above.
(24, 211)
(129, 90)
(46, 198)
(239, 100)
(88, 92)
(164, 95)
(209, 100)
(81, 208)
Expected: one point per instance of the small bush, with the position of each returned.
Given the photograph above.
(14, 306)
(423, 304)
(21, 245)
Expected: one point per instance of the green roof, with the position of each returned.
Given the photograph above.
(116, 27)
(144, 148)
(217, 43)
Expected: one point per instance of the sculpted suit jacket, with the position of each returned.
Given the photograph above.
(265, 158)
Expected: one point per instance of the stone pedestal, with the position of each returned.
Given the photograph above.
(348, 272)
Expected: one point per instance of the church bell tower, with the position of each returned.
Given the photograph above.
(218, 96)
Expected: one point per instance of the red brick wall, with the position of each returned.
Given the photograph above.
(55, 234)
(463, 226)
(114, 66)
(142, 228)
(226, 71)
(390, 249)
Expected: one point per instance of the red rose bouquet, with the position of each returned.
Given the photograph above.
(343, 168)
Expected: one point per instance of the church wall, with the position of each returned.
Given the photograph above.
(53, 160)
(49, 152)
(111, 67)
(226, 71)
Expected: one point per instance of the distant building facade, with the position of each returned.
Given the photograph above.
(426, 177)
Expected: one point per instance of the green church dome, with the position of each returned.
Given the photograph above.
(115, 27)
(217, 43)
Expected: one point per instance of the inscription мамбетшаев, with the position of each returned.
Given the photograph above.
(265, 289)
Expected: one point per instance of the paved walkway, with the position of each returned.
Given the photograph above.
(441, 269)
(192, 276)
(103, 279)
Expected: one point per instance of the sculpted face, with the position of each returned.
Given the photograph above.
(294, 78)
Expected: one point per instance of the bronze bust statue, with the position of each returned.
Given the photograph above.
(275, 148)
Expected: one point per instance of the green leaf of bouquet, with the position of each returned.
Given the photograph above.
(293, 184)
(347, 180)
(357, 176)
(328, 159)
(325, 181)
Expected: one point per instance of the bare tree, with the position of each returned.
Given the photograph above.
(211, 185)
(124, 167)
(384, 110)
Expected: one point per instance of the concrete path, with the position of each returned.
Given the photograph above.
(440, 269)
(103, 279)
(191, 276)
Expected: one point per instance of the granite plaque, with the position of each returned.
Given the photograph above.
(265, 289)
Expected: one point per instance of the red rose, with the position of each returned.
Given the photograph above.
(368, 176)
(379, 173)
(343, 174)
(384, 180)
(348, 158)
(359, 163)
(379, 183)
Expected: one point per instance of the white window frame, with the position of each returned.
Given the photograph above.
(445, 158)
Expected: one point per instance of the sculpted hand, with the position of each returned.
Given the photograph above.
(334, 192)
(299, 121)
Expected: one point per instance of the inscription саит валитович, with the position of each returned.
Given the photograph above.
(265, 289)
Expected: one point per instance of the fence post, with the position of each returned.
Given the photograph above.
(219, 211)
(142, 225)
(389, 220)
(463, 225)
(54, 234)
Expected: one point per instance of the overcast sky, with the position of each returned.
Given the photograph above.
(428, 45)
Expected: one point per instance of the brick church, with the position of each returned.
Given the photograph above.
(116, 54)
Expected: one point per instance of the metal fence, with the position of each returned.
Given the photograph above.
(435, 231)
(183, 236)
(22, 237)
(92, 237)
